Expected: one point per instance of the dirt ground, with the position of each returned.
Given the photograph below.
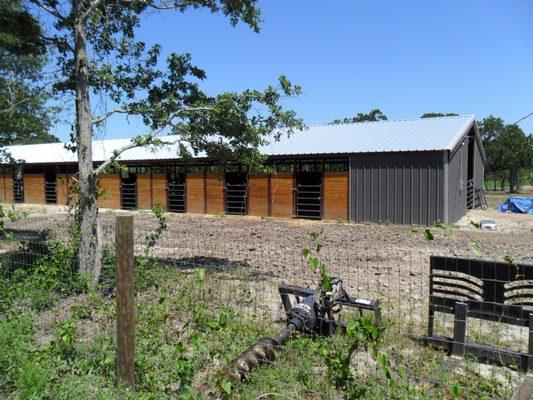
(509, 223)
(376, 261)
(254, 255)
(373, 259)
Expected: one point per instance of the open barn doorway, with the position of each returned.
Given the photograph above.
(176, 191)
(237, 193)
(309, 194)
(128, 190)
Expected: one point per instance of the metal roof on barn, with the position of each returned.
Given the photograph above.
(427, 134)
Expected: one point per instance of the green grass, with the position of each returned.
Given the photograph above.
(525, 179)
(188, 328)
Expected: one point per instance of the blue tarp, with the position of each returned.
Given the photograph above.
(521, 205)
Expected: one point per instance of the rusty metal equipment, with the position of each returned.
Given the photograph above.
(315, 313)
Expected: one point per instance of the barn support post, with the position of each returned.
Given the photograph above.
(125, 306)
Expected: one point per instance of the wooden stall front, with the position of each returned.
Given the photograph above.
(282, 194)
(144, 191)
(195, 193)
(65, 189)
(110, 183)
(159, 187)
(214, 186)
(335, 192)
(268, 194)
(6, 194)
(258, 196)
(34, 188)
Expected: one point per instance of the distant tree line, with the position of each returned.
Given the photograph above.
(373, 115)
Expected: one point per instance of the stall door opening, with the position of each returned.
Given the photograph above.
(128, 191)
(236, 193)
(18, 185)
(50, 188)
(176, 191)
(309, 195)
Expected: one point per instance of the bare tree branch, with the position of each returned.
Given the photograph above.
(145, 3)
(93, 6)
(102, 118)
(96, 3)
(152, 135)
(57, 41)
(13, 106)
(51, 10)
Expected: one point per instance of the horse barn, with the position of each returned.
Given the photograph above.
(405, 172)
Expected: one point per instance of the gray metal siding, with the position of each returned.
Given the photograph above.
(479, 172)
(457, 181)
(401, 188)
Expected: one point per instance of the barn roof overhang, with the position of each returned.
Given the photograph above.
(471, 130)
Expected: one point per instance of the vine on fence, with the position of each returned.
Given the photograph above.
(313, 257)
(152, 238)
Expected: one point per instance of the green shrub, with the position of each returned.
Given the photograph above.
(49, 272)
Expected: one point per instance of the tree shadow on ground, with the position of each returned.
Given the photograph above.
(211, 264)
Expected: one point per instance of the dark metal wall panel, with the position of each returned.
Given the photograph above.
(457, 183)
(402, 188)
(382, 186)
(423, 198)
(479, 172)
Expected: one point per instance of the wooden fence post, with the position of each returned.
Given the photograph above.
(125, 302)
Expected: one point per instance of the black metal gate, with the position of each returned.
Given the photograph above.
(50, 189)
(50, 192)
(18, 190)
(176, 192)
(237, 193)
(309, 195)
(470, 203)
(128, 192)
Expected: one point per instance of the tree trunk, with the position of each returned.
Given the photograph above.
(513, 181)
(89, 262)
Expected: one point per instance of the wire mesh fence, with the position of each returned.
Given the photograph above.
(224, 281)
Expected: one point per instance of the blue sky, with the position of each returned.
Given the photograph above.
(404, 57)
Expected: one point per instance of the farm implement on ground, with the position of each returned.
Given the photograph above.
(314, 313)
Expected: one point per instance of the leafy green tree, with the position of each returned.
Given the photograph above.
(434, 115)
(516, 152)
(490, 130)
(373, 115)
(508, 150)
(99, 54)
(25, 116)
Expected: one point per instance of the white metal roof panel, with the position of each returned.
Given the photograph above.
(369, 137)
(426, 134)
